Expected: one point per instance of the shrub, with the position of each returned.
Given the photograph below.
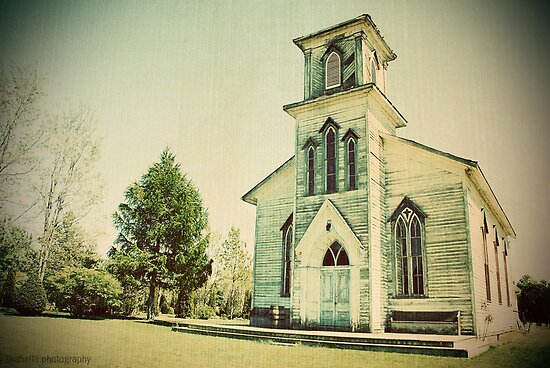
(30, 298)
(83, 291)
(164, 305)
(203, 311)
(8, 289)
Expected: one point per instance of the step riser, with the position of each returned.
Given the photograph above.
(423, 343)
(425, 350)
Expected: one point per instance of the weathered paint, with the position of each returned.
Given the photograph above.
(449, 190)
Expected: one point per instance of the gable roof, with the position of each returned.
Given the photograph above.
(249, 197)
(474, 173)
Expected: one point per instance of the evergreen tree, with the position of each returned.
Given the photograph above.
(161, 226)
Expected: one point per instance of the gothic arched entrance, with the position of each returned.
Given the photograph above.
(335, 285)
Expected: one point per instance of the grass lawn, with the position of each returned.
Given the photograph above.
(127, 343)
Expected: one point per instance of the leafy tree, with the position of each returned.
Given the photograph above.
(84, 291)
(16, 255)
(161, 225)
(533, 300)
(66, 183)
(71, 246)
(236, 271)
(20, 92)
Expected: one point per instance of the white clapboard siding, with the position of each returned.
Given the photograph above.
(504, 316)
(438, 192)
(275, 203)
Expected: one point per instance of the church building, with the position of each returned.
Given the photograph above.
(362, 230)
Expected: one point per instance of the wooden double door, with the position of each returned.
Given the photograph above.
(335, 309)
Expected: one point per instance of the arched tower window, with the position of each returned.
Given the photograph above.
(310, 171)
(335, 256)
(330, 160)
(410, 270)
(332, 71)
(351, 164)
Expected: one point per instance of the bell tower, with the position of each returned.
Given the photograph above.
(343, 57)
(338, 154)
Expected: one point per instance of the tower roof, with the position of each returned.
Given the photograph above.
(362, 23)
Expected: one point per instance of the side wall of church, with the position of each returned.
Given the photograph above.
(439, 193)
(274, 206)
(504, 312)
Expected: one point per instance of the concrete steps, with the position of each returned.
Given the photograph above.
(411, 344)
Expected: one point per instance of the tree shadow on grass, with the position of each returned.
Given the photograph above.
(66, 315)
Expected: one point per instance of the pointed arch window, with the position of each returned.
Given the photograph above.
(287, 253)
(504, 256)
(333, 71)
(335, 256)
(497, 265)
(330, 160)
(484, 232)
(410, 270)
(351, 173)
(310, 171)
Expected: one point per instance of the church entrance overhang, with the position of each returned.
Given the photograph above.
(327, 227)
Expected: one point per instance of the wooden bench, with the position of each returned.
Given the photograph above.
(426, 318)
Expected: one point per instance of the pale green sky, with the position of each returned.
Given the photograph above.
(209, 79)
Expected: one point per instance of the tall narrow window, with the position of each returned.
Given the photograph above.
(402, 259)
(287, 246)
(496, 245)
(409, 249)
(373, 71)
(332, 71)
(310, 171)
(416, 257)
(484, 232)
(330, 158)
(351, 164)
(504, 256)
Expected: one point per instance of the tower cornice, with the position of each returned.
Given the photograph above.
(368, 90)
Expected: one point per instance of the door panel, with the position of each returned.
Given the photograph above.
(327, 298)
(335, 297)
(342, 298)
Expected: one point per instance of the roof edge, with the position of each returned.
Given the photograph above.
(247, 197)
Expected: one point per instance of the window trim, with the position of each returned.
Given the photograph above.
(334, 131)
(504, 257)
(310, 171)
(286, 261)
(399, 273)
(336, 257)
(373, 69)
(351, 139)
(484, 232)
(497, 266)
(327, 87)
